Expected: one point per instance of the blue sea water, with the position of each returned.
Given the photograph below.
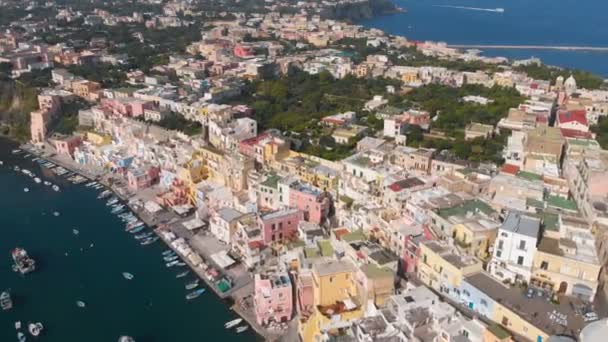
(524, 22)
(89, 267)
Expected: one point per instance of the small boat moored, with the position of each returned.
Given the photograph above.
(125, 338)
(6, 303)
(21, 337)
(127, 275)
(233, 323)
(81, 304)
(242, 329)
(195, 294)
(23, 263)
(35, 328)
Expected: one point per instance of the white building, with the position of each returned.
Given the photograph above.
(515, 247)
(223, 223)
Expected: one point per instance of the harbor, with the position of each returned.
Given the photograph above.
(181, 232)
(85, 233)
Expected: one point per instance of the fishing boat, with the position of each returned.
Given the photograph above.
(23, 263)
(143, 236)
(171, 258)
(172, 263)
(242, 329)
(181, 264)
(21, 337)
(195, 294)
(37, 180)
(149, 241)
(127, 275)
(117, 209)
(183, 274)
(104, 194)
(192, 285)
(35, 328)
(81, 304)
(233, 323)
(168, 252)
(134, 224)
(6, 303)
(136, 230)
(125, 338)
(55, 187)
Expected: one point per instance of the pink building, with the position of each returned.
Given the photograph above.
(272, 299)
(66, 144)
(314, 204)
(243, 51)
(280, 225)
(411, 252)
(127, 106)
(143, 177)
(305, 293)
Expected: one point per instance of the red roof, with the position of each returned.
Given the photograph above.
(510, 168)
(340, 232)
(571, 116)
(574, 133)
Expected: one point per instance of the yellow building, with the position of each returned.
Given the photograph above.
(442, 270)
(334, 300)
(192, 171)
(562, 266)
(526, 315)
(98, 139)
(475, 234)
(410, 76)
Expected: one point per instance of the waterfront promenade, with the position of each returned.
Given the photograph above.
(531, 47)
(239, 297)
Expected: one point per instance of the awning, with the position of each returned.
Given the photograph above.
(193, 224)
(152, 207)
(222, 259)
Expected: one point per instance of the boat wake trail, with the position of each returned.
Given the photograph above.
(497, 10)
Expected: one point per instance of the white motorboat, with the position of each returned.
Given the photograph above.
(242, 329)
(37, 180)
(35, 328)
(55, 187)
(128, 275)
(26, 190)
(81, 304)
(21, 337)
(126, 339)
(47, 183)
(233, 323)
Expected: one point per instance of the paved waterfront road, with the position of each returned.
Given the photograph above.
(151, 307)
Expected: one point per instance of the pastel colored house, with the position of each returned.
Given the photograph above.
(334, 300)
(314, 204)
(515, 247)
(272, 299)
(531, 318)
(280, 225)
(143, 177)
(223, 224)
(66, 144)
(573, 120)
(443, 270)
